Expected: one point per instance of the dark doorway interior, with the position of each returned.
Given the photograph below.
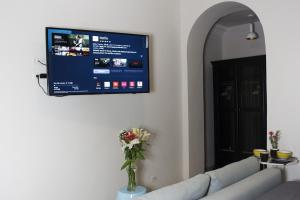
(239, 108)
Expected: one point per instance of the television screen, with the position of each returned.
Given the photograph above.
(94, 62)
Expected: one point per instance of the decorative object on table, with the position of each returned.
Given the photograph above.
(274, 138)
(273, 153)
(264, 156)
(257, 152)
(284, 161)
(281, 162)
(132, 142)
(124, 194)
(284, 154)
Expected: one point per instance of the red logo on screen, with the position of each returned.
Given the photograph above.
(115, 84)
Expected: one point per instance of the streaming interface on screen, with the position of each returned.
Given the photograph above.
(92, 62)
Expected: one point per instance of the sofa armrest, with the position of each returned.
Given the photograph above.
(251, 187)
(190, 189)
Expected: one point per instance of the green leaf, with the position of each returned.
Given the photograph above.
(135, 154)
(128, 154)
(140, 155)
(126, 163)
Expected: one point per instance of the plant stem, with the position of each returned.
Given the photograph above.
(131, 178)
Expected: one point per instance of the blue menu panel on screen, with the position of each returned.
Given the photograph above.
(93, 62)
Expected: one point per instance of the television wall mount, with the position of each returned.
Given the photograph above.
(41, 76)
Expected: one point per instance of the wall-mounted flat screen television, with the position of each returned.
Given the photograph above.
(96, 62)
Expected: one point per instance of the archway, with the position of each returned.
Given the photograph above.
(195, 50)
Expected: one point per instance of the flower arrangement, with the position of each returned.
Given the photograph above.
(132, 141)
(274, 137)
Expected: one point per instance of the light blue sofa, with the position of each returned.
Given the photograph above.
(241, 180)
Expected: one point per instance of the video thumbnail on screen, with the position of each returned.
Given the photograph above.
(119, 62)
(70, 44)
(102, 62)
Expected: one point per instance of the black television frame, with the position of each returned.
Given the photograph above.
(94, 93)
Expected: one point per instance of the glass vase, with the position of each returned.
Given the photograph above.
(131, 178)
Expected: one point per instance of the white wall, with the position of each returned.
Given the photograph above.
(67, 148)
(236, 46)
(282, 52)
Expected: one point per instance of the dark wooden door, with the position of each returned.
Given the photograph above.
(240, 108)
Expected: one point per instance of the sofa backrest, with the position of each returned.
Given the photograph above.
(251, 187)
(232, 173)
(190, 189)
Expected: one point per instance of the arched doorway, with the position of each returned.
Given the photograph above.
(235, 106)
(195, 61)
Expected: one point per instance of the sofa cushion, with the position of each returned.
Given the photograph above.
(251, 187)
(190, 189)
(287, 191)
(232, 173)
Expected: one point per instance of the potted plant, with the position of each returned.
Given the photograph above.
(132, 142)
(274, 138)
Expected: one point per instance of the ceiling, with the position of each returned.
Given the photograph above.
(238, 18)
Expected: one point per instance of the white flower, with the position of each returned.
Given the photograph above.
(130, 145)
(146, 135)
(133, 142)
(123, 148)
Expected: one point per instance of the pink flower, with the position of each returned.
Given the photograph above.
(271, 133)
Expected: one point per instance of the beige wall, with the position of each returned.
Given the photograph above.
(282, 51)
(67, 148)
